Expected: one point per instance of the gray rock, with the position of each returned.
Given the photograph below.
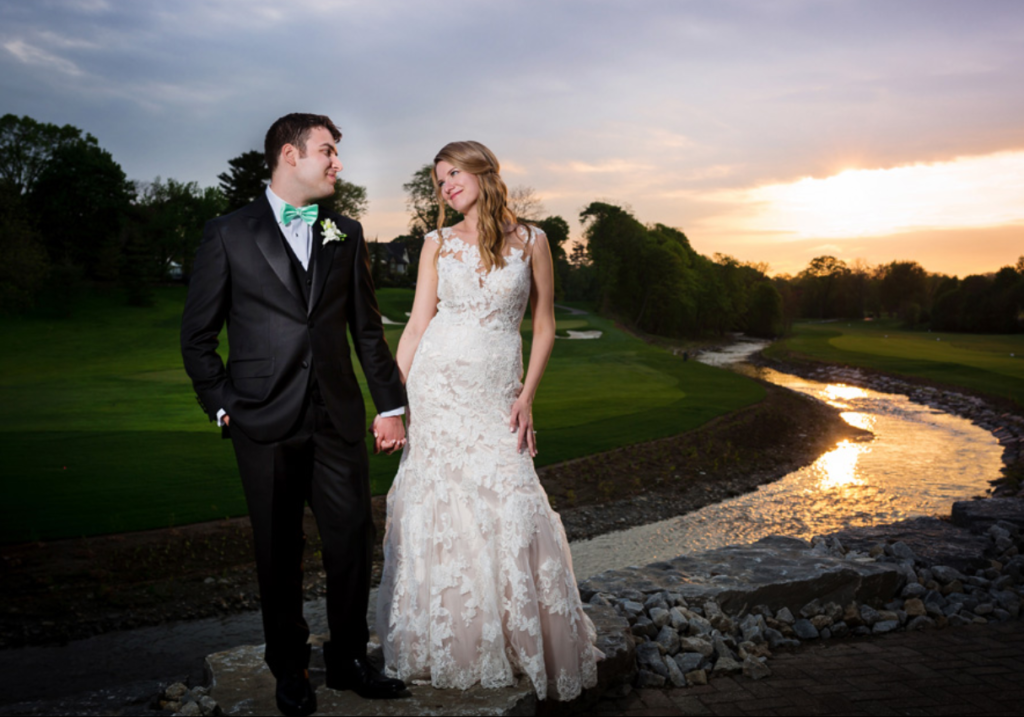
(755, 669)
(648, 656)
(933, 541)
(945, 574)
(668, 639)
(688, 661)
(711, 609)
(984, 609)
(660, 617)
(698, 625)
(1003, 582)
(175, 692)
(1008, 600)
(678, 620)
(698, 645)
(935, 597)
(643, 627)
(840, 629)
(632, 608)
(883, 626)
(599, 600)
(645, 678)
(959, 620)
(979, 515)
(1000, 615)
(675, 600)
(722, 649)
(861, 631)
(774, 571)
(658, 600)
(933, 611)
(914, 607)
(902, 551)
(834, 611)
(785, 616)
(921, 622)
(726, 666)
(825, 633)
(675, 675)
(696, 678)
(805, 630)
(811, 609)
(821, 622)
(190, 709)
(868, 615)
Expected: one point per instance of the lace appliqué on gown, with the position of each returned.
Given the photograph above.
(478, 584)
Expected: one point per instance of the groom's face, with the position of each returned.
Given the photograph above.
(317, 168)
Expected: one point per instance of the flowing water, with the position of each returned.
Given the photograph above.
(920, 461)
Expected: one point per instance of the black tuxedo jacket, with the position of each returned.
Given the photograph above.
(277, 339)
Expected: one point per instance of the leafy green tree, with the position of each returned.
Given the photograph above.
(348, 200)
(24, 264)
(557, 230)
(174, 214)
(765, 314)
(85, 198)
(904, 283)
(247, 176)
(28, 146)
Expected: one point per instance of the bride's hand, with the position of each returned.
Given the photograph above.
(522, 420)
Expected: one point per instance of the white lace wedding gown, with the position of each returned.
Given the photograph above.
(478, 583)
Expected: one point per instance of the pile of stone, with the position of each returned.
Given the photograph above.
(687, 639)
(180, 700)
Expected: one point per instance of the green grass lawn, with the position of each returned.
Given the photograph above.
(990, 364)
(100, 431)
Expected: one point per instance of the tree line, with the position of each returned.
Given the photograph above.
(69, 216)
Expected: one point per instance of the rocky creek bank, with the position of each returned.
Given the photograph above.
(726, 611)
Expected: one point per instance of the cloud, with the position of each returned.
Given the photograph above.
(31, 55)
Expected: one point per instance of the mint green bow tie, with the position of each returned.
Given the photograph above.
(308, 214)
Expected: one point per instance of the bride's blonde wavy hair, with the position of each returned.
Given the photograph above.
(493, 214)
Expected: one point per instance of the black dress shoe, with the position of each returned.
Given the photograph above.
(295, 696)
(364, 679)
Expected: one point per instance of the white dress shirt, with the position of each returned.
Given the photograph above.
(299, 236)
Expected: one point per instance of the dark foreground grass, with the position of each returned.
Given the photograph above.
(100, 432)
(987, 364)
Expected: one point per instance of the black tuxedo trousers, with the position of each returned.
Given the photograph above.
(313, 464)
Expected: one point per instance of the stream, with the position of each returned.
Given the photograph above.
(920, 462)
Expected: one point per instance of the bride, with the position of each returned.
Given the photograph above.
(478, 584)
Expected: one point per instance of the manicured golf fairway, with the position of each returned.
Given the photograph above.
(100, 431)
(987, 363)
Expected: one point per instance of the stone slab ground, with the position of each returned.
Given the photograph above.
(974, 670)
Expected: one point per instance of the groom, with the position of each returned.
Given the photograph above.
(290, 284)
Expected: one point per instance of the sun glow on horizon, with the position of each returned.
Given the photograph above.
(966, 192)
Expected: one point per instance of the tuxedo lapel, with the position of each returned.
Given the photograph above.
(321, 261)
(268, 238)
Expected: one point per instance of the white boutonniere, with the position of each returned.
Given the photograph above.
(331, 232)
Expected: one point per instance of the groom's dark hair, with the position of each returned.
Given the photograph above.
(294, 129)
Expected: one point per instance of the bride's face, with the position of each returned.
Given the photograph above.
(459, 188)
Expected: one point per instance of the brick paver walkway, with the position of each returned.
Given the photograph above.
(973, 670)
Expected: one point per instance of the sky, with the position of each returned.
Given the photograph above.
(774, 131)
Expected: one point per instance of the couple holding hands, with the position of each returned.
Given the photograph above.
(478, 584)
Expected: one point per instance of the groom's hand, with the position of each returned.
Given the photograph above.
(388, 434)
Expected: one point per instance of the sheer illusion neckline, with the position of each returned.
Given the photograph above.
(458, 249)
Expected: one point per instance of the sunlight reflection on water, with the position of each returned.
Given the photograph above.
(920, 462)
